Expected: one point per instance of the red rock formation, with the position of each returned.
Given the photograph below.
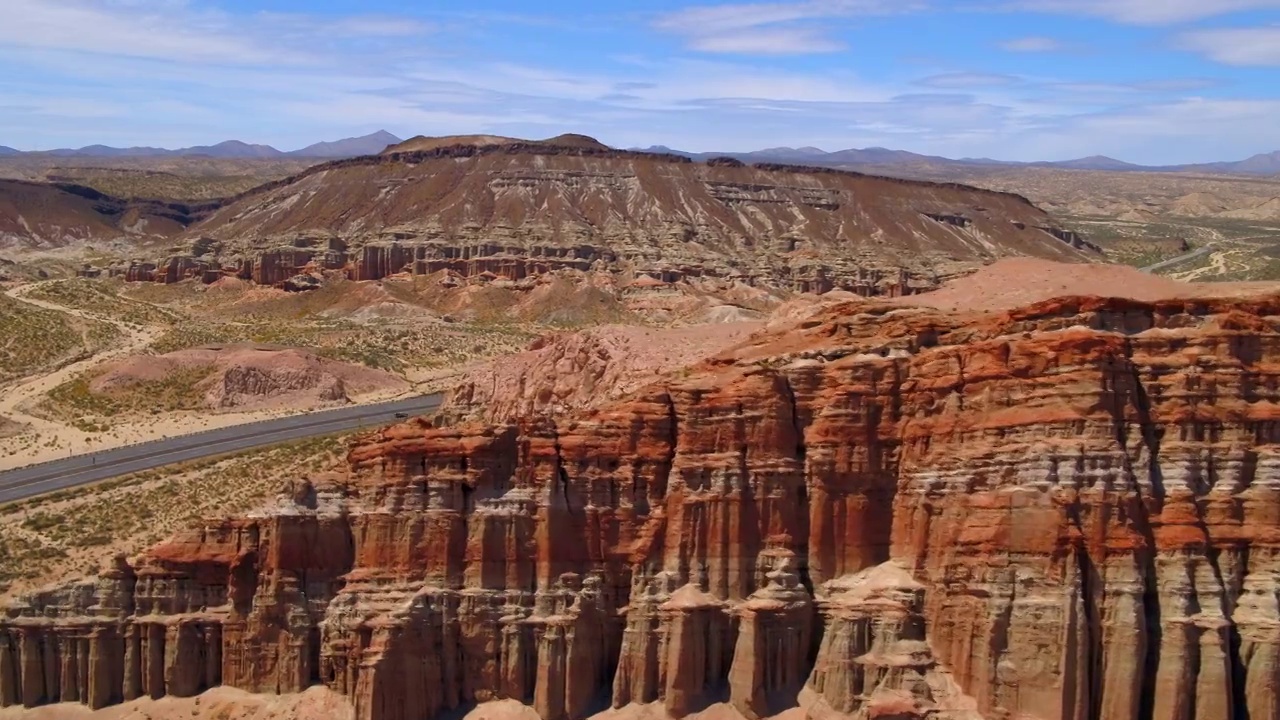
(1067, 511)
(277, 266)
(140, 272)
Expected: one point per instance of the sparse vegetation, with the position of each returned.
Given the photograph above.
(50, 537)
(102, 298)
(34, 339)
(162, 178)
(385, 344)
(75, 401)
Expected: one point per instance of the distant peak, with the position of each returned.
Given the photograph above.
(576, 140)
(423, 143)
(808, 150)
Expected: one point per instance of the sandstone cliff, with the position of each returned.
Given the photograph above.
(1067, 511)
(514, 209)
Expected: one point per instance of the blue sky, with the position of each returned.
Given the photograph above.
(1152, 81)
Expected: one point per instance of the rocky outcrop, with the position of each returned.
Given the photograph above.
(571, 371)
(497, 207)
(1066, 511)
(242, 376)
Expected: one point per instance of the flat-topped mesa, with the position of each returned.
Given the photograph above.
(1064, 511)
(490, 207)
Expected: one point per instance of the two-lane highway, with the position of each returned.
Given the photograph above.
(79, 470)
(1198, 252)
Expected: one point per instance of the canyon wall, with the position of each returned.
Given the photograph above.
(1064, 512)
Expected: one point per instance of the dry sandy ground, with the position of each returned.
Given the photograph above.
(316, 703)
(54, 538)
(319, 703)
(60, 441)
(512, 710)
(57, 440)
(1016, 282)
(252, 376)
(21, 393)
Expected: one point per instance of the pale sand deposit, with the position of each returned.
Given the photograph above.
(1016, 282)
(223, 703)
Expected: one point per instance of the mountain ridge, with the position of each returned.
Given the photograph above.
(370, 144)
(1262, 164)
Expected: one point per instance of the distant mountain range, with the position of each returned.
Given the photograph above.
(1263, 164)
(350, 147)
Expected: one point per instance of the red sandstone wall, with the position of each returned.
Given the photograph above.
(1068, 511)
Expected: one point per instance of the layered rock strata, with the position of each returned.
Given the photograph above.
(513, 210)
(1067, 511)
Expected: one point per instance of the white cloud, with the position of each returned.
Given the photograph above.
(1032, 44)
(772, 28)
(968, 80)
(1195, 129)
(181, 32)
(721, 18)
(1145, 12)
(779, 41)
(175, 73)
(1236, 46)
(143, 30)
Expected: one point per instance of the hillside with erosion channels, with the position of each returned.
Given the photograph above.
(488, 208)
(1065, 510)
(39, 215)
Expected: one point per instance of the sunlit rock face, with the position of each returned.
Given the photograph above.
(1069, 511)
(517, 211)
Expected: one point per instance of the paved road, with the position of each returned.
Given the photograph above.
(79, 470)
(1178, 260)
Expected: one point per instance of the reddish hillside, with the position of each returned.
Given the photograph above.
(44, 215)
(516, 209)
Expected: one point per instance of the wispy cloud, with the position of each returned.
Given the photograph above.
(1033, 44)
(1236, 46)
(773, 28)
(770, 41)
(181, 32)
(184, 72)
(959, 80)
(143, 32)
(1144, 12)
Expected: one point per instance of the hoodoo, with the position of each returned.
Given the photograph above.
(1065, 511)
